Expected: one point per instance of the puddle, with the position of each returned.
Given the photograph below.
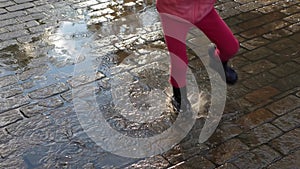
(11, 59)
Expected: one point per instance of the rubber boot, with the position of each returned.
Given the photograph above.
(230, 74)
(179, 100)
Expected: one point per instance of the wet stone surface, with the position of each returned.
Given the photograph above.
(10, 117)
(257, 158)
(290, 161)
(260, 135)
(255, 119)
(284, 105)
(60, 60)
(48, 91)
(153, 162)
(227, 151)
(288, 121)
(13, 102)
(8, 80)
(32, 110)
(288, 142)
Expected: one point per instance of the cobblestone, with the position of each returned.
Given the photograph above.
(258, 67)
(30, 17)
(29, 38)
(4, 137)
(255, 43)
(67, 96)
(19, 7)
(255, 119)
(22, 1)
(257, 158)
(8, 80)
(8, 22)
(257, 54)
(8, 43)
(262, 95)
(12, 35)
(9, 117)
(284, 105)
(177, 154)
(285, 69)
(281, 45)
(48, 91)
(152, 162)
(294, 28)
(194, 162)
(288, 82)
(288, 121)
(291, 10)
(12, 15)
(2, 11)
(275, 25)
(53, 102)
(3, 30)
(260, 135)
(6, 3)
(10, 91)
(33, 110)
(249, 6)
(252, 33)
(293, 18)
(288, 142)
(290, 161)
(40, 70)
(40, 28)
(84, 79)
(13, 102)
(225, 132)
(227, 151)
(275, 35)
(22, 26)
(42, 8)
(259, 80)
(269, 8)
(227, 166)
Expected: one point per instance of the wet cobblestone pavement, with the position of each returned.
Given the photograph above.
(48, 49)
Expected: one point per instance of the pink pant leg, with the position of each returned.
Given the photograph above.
(175, 31)
(220, 34)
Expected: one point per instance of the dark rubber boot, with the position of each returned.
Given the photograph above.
(180, 101)
(230, 74)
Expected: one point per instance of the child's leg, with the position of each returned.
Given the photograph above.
(220, 34)
(175, 31)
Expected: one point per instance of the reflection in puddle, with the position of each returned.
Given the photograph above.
(11, 59)
(69, 40)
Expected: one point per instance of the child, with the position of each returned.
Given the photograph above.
(177, 17)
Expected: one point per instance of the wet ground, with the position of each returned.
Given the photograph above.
(62, 63)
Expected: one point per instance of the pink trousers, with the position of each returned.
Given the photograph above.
(175, 31)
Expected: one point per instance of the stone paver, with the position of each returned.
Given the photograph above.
(288, 142)
(9, 117)
(48, 91)
(260, 135)
(257, 158)
(290, 161)
(39, 44)
(227, 151)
